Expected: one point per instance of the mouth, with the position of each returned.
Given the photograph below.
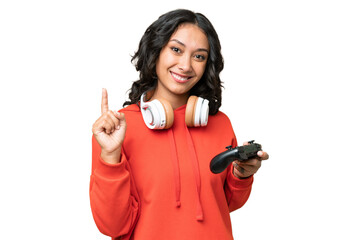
(180, 78)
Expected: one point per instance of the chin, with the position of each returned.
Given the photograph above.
(180, 90)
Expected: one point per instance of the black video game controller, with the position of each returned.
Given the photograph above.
(242, 153)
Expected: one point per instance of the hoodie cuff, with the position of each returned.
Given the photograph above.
(239, 183)
(111, 171)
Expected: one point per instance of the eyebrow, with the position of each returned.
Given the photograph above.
(181, 43)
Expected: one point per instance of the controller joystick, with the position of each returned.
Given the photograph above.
(242, 153)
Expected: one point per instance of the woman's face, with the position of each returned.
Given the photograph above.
(182, 61)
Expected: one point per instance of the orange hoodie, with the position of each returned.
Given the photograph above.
(163, 187)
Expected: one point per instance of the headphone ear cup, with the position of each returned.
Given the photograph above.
(156, 114)
(201, 112)
(204, 113)
(169, 113)
(190, 111)
(197, 112)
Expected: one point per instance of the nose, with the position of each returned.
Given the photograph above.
(185, 63)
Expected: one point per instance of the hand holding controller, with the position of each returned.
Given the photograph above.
(242, 153)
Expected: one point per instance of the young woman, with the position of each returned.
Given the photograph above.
(150, 168)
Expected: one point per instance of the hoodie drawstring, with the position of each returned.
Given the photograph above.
(176, 169)
(195, 163)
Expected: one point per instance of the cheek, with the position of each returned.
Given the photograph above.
(164, 62)
(200, 69)
(157, 68)
(160, 67)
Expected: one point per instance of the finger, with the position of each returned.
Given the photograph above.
(255, 164)
(263, 155)
(114, 116)
(119, 115)
(236, 165)
(115, 120)
(104, 101)
(121, 118)
(107, 122)
(102, 126)
(108, 126)
(248, 167)
(238, 172)
(249, 162)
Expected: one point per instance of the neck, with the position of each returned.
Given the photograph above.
(174, 99)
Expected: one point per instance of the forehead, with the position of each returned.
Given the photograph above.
(191, 36)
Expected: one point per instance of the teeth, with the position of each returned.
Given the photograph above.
(178, 77)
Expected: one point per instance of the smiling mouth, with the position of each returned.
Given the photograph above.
(179, 78)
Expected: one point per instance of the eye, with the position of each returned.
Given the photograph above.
(175, 49)
(200, 57)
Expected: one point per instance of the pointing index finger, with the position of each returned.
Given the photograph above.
(104, 101)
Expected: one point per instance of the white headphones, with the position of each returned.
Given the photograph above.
(160, 115)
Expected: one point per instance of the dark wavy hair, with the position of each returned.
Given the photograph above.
(157, 36)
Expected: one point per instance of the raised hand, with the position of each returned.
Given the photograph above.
(109, 131)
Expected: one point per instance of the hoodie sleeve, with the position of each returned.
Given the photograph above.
(113, 197)
(237, 190)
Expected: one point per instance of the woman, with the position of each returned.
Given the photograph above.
(150, 174)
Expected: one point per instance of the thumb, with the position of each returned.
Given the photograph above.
(121, 117)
